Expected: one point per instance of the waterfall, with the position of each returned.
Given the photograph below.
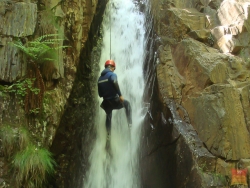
(118, 166)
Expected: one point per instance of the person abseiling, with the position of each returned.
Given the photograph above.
(108, 88)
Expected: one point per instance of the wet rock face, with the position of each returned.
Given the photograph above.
(202, 67)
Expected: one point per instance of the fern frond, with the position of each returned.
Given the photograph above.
(24, 49)
(41, 47)
(54, 40)
(39, 39)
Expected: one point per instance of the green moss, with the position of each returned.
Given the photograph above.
(31, 166)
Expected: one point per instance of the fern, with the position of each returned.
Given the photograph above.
(38, 52)
(42, 48)
(39, 39)
(24, 49)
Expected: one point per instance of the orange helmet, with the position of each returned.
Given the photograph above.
(109, 62)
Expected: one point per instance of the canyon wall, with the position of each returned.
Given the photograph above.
(201, 130)
(65, 83)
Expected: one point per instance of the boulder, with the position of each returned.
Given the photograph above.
(200, 35)
(212, 19)
(215, 4)
(228, 43)
(224, 167)
(233, 18)
(247, 20)
(218, 116)
(212, 87)
(18, 19)
(231, 12)
(244, 39)
(11, 66)
(184, 4)
(182, 21)
(218, 32)
(195, 60)
(168, 74)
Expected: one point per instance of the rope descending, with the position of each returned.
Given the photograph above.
(110, 26)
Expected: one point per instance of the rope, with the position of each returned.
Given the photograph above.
(110, 29)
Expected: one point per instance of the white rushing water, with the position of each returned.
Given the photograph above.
(119, 168)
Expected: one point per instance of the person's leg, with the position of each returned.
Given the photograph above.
(116, 104)
(108, 120)
(128, 111)
(108, 110)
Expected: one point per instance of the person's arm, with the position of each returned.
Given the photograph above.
(115, 82)
(118, 91)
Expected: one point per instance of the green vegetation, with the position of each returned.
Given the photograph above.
(23, 138)
(26, 88)
(20, 87)
(41, 49)
(219, 178)
(32, 165)
(203, 166)
(214, 177)
(13, 139)
(210, 40)
(9, 137)
(40, 55)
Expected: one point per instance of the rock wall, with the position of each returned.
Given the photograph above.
(68, 84)
(202, 73)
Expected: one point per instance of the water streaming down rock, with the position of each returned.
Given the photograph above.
(120, 167)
